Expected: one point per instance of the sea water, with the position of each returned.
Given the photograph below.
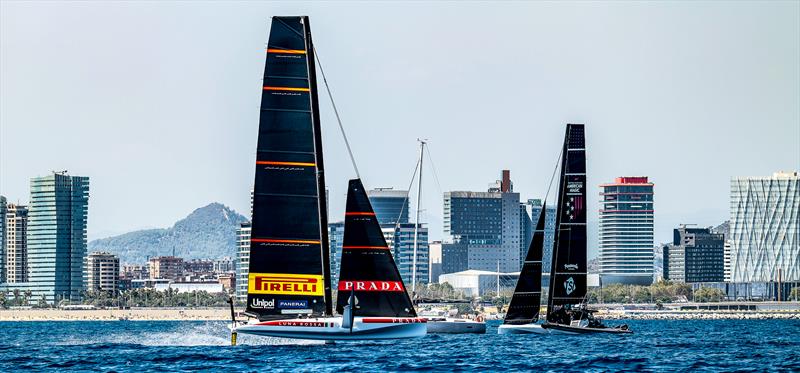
(718, 345)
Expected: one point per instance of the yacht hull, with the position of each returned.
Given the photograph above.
(522, 329)
(330, 328)
(455, 326)
(572, 330)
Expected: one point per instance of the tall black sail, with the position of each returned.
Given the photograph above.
(526, 301)
(289, 265)
(368, 271)
(568, 269)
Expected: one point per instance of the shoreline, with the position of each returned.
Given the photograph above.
(144, 314)
(223, 314)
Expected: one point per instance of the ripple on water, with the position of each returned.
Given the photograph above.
(729, 345)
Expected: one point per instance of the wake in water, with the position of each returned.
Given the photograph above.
(182, 334)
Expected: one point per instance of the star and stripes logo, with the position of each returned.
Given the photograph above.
(574, 207)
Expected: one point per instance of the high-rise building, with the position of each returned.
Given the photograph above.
(390, 206)
(488, 223)
(455, 257)
(765, 228)
(695, 255)
(391, 210)
(58, 210)
(242, 259)
(16, 244)
(525, 232)
(102, 272)
(549, 231)
(166, 267)
(400, 238)
(2, 239)
(434, 261)
(626, 231)
(336, 238)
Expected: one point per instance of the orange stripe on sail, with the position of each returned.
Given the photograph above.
(293, 89)
(365, 247)
(276, 163)
(286, 51)
(359, 214)
(272, 240)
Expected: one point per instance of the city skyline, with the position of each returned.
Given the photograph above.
(183, 111)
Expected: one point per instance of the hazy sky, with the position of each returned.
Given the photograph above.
(158, 102)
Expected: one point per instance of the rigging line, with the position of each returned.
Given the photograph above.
(408, 191)
(555, 168)
(336, 111)
(433, 167)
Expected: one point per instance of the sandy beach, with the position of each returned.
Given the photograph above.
(129, 314)
(223, 314)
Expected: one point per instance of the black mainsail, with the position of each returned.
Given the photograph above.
(526, 301)
(368, 271)
(289, 264)
(568, 269)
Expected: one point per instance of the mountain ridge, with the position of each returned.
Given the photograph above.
(208, 232)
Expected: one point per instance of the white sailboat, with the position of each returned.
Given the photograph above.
(438, 324)
(289, 288)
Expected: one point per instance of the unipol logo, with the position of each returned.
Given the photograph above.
(262, 303)
(569, 285)
(371, 286)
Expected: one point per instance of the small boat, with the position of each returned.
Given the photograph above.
(441, 322)
(566, 306)
(289, 283)
(523, 311)
(449, 325)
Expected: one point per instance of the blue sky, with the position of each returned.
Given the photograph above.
(158, 101)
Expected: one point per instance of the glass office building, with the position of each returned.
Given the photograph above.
(490, 224)
(765, 228)
(56, 236)
(390, 205)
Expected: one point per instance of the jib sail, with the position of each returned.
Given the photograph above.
(526, 301)
(289, 265)
(368, 271)
(568, 269)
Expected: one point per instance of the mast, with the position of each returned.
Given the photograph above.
(323, 204)
(416, 221)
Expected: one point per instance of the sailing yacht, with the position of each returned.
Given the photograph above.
(440, 324)
(289, 284)
(523, 311)
(566, 306)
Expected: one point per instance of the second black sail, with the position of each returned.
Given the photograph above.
(368, 272)
(526, 301)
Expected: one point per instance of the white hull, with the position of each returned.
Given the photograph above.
(522, 329)
(330, 328)
(455, 326)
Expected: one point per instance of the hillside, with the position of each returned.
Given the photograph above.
(208, 232)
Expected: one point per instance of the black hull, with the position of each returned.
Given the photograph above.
(567, 329)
